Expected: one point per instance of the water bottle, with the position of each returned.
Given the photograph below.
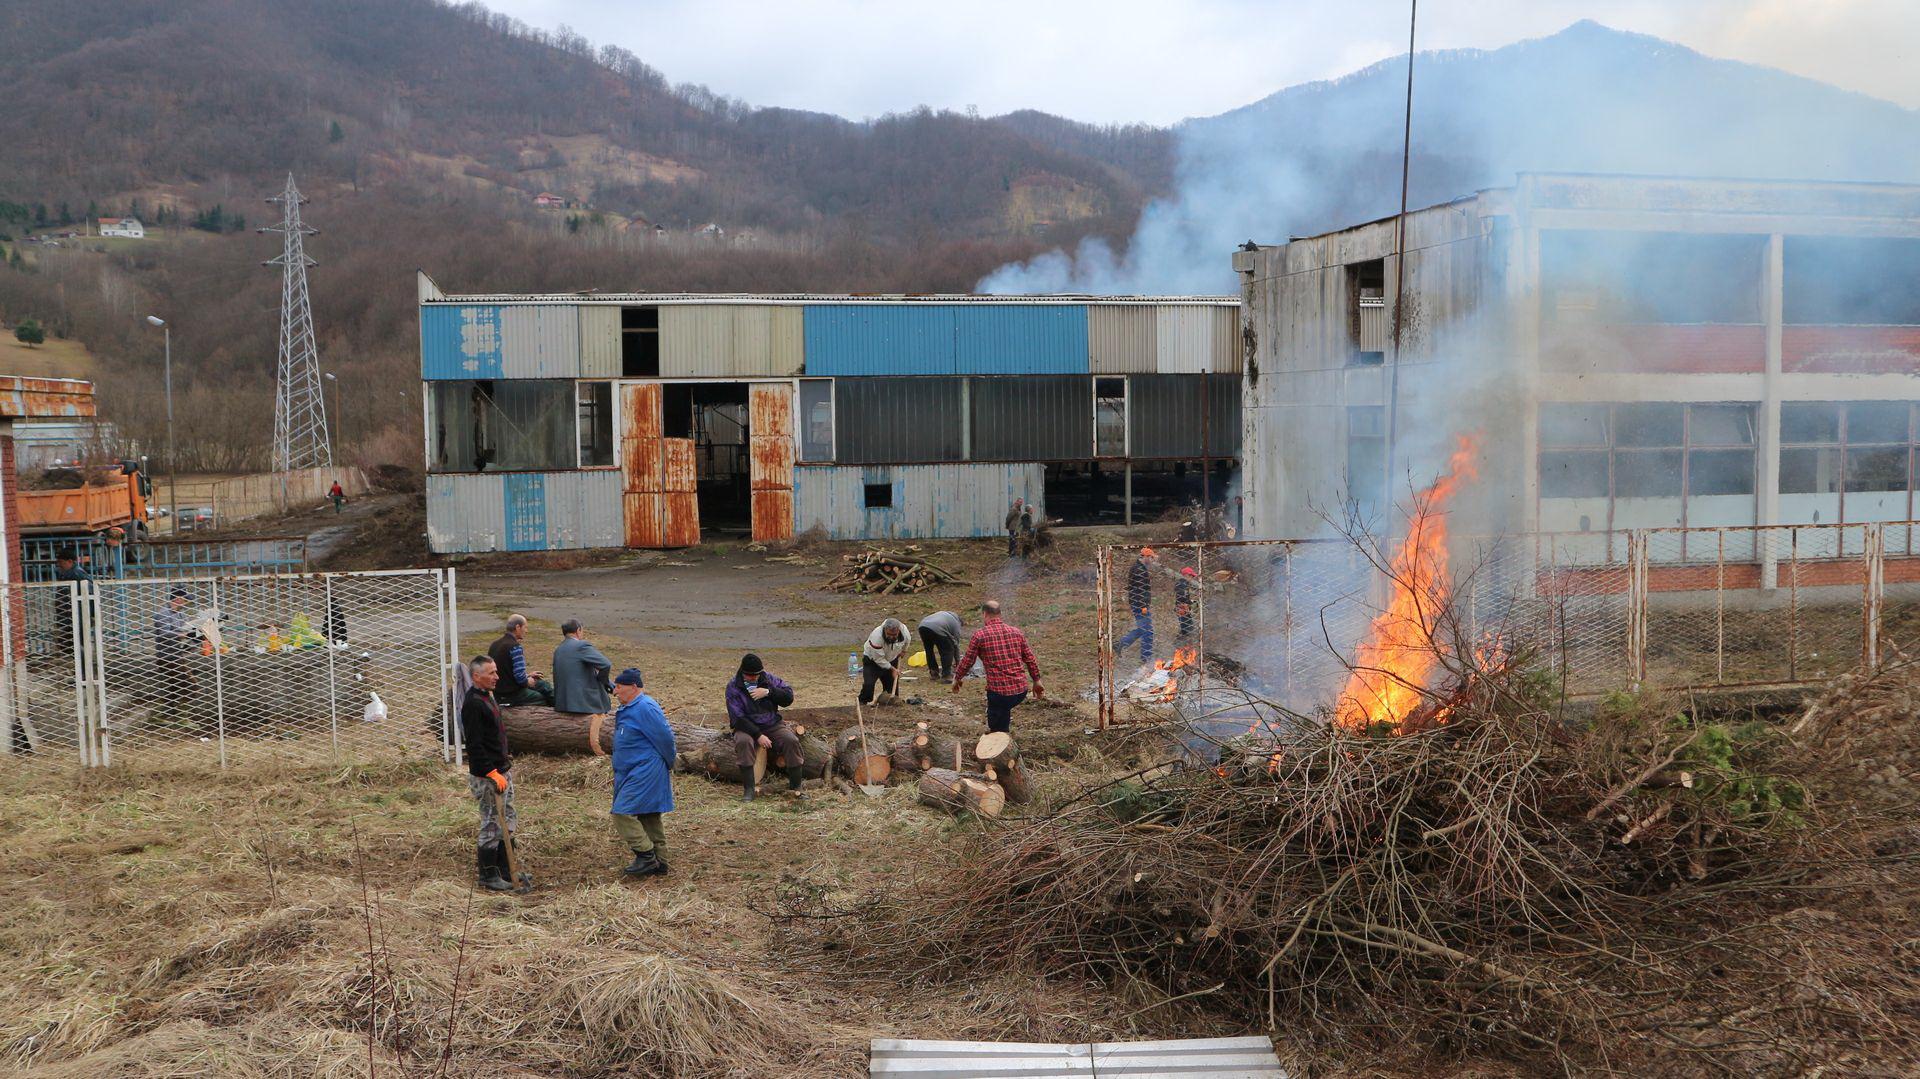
(853, 664)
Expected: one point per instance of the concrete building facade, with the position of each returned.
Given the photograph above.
(1633, 352)
(646, 420)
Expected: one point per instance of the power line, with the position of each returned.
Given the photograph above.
(299, 405)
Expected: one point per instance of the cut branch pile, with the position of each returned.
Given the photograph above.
(888, 574)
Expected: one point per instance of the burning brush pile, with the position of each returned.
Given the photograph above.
(1445, 862)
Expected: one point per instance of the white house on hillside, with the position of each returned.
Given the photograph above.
(129, 227)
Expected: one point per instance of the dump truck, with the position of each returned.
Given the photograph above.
(91, 509)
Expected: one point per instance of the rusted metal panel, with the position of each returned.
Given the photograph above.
(677, 466)
(680, 517)
(770, 409)
(33, 398)
(643, 519)
(1121, 339)
(772, 516)
(599, 341)
(642, 469)
(640, 410)
(772, 465)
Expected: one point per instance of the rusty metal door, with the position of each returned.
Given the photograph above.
(642, 463)
(770, 439)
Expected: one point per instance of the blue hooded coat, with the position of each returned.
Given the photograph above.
(643, 753)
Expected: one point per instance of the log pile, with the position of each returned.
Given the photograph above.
(923, 750)
(888, 574)
(957, 792)
(860, 756)
(1000, 763)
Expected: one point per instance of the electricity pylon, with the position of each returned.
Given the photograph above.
(299, 405)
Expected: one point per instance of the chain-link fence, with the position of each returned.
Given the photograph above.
(212, 670)
(1678, 608)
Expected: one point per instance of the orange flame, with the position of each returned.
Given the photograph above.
(1399, 654)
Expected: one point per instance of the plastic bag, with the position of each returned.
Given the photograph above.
(375, 711)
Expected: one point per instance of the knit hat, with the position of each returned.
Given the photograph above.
(629, 677)
(1189, 571)
(1148, 552)
(750, 664)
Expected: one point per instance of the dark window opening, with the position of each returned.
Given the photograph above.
(1369, 359)
(1848, 280)
(1109, 417)
(879, 496)
(596, 424)
(1651, 277)
(676, 410)
(640, 342)
(1367, 306)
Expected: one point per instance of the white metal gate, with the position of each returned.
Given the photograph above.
(216, 670)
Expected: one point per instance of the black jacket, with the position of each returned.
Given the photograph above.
(1139, 586)
(485, 735)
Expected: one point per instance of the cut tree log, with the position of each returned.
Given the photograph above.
(710, 752)
(999, 759)
(535, 729)
(869, 764)
(921, 750)
(946, 789)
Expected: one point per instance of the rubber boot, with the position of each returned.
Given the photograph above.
(490, 876)
(747, 786)
(794, 772)
(645, 864)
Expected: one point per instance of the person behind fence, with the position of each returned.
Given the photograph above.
(1140, 603)
(580, 673)
(1013, 527)
(643, 753)
(754, 699)
(880, 659)
(173, 647)
(1183, 589)
(518, 684)
(66, 567)
(1008, 659)
(489, 772)
(940, 634)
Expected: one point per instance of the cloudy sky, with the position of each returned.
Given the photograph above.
(1111, 61)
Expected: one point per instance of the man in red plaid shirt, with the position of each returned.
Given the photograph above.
(1008, 658)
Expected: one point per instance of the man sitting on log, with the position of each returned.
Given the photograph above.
(643, 753)
(754, 699)
(1008, 658)
(489, 771)
(940, 634)
(579, 674)
(880, 659)
(518, 685)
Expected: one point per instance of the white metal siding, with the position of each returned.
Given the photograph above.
(1121, 339)
(1192, 338)
(929, 501)
(730, 341)
(584, 510)
(599, 342)
(466, 513)
(539, 342)
(1214, 1058)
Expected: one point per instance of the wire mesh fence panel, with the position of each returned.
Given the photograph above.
(219, 670)
(43, 708)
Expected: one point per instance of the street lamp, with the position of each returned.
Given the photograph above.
(173, 467)
(339, 421)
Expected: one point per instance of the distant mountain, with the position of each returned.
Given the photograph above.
(1590, 99)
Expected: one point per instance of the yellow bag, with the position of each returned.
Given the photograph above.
(918, 659)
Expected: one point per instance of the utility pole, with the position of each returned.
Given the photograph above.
(1206, 464)
(173, 468)
(300, 437)
(1399, 281)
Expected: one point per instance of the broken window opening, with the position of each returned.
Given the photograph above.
(1109, 417)
(816, 419)
(501, 425)
(595, 421)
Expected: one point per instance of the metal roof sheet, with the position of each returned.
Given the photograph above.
(671, 298)
(1213, 1058)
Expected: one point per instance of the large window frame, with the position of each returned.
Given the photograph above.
(1637, 446)
(1105, 408)
(596, 424)
(1845, 447)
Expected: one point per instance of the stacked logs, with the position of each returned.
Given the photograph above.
(888, 574)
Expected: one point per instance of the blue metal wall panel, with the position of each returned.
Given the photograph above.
(1017, 339)
(877, 339)
(929, 501)
(460, 342)
(526, 510)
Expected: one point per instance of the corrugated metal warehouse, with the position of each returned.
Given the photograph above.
(604, 420)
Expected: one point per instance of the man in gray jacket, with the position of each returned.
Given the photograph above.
(580, 673)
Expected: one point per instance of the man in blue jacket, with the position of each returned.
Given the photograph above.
(643, 753)
(754, 699)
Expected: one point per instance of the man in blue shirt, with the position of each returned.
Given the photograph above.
(643, 753)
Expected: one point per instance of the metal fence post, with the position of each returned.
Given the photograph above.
(455, 750)
(1874, 587)
(333, 646)
(1103, 623)
(1199, 624)
(97, 642)
(1720, 606)
(1637, 607)
(219, 681)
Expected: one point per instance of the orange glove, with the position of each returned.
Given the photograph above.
(498, 780)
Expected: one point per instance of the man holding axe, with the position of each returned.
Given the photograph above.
(489, 778)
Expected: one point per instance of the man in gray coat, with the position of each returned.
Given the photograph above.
(580, 674)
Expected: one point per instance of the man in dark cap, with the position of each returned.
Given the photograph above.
(754, 699)
(643, 753)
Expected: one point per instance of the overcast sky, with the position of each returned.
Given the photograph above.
(1116, 61)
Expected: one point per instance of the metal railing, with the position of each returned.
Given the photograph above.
(163, 558)
(1771, 605)
(213, 670)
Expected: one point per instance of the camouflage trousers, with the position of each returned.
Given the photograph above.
(482, 789)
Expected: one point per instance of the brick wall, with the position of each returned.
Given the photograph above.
(16, 648)
(1654, 349)
(1850, 350)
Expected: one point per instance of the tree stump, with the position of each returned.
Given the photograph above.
(999, 759)
(533, 728)
(946, 789)
(866, 764)
(924, 749)
(815, 754)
